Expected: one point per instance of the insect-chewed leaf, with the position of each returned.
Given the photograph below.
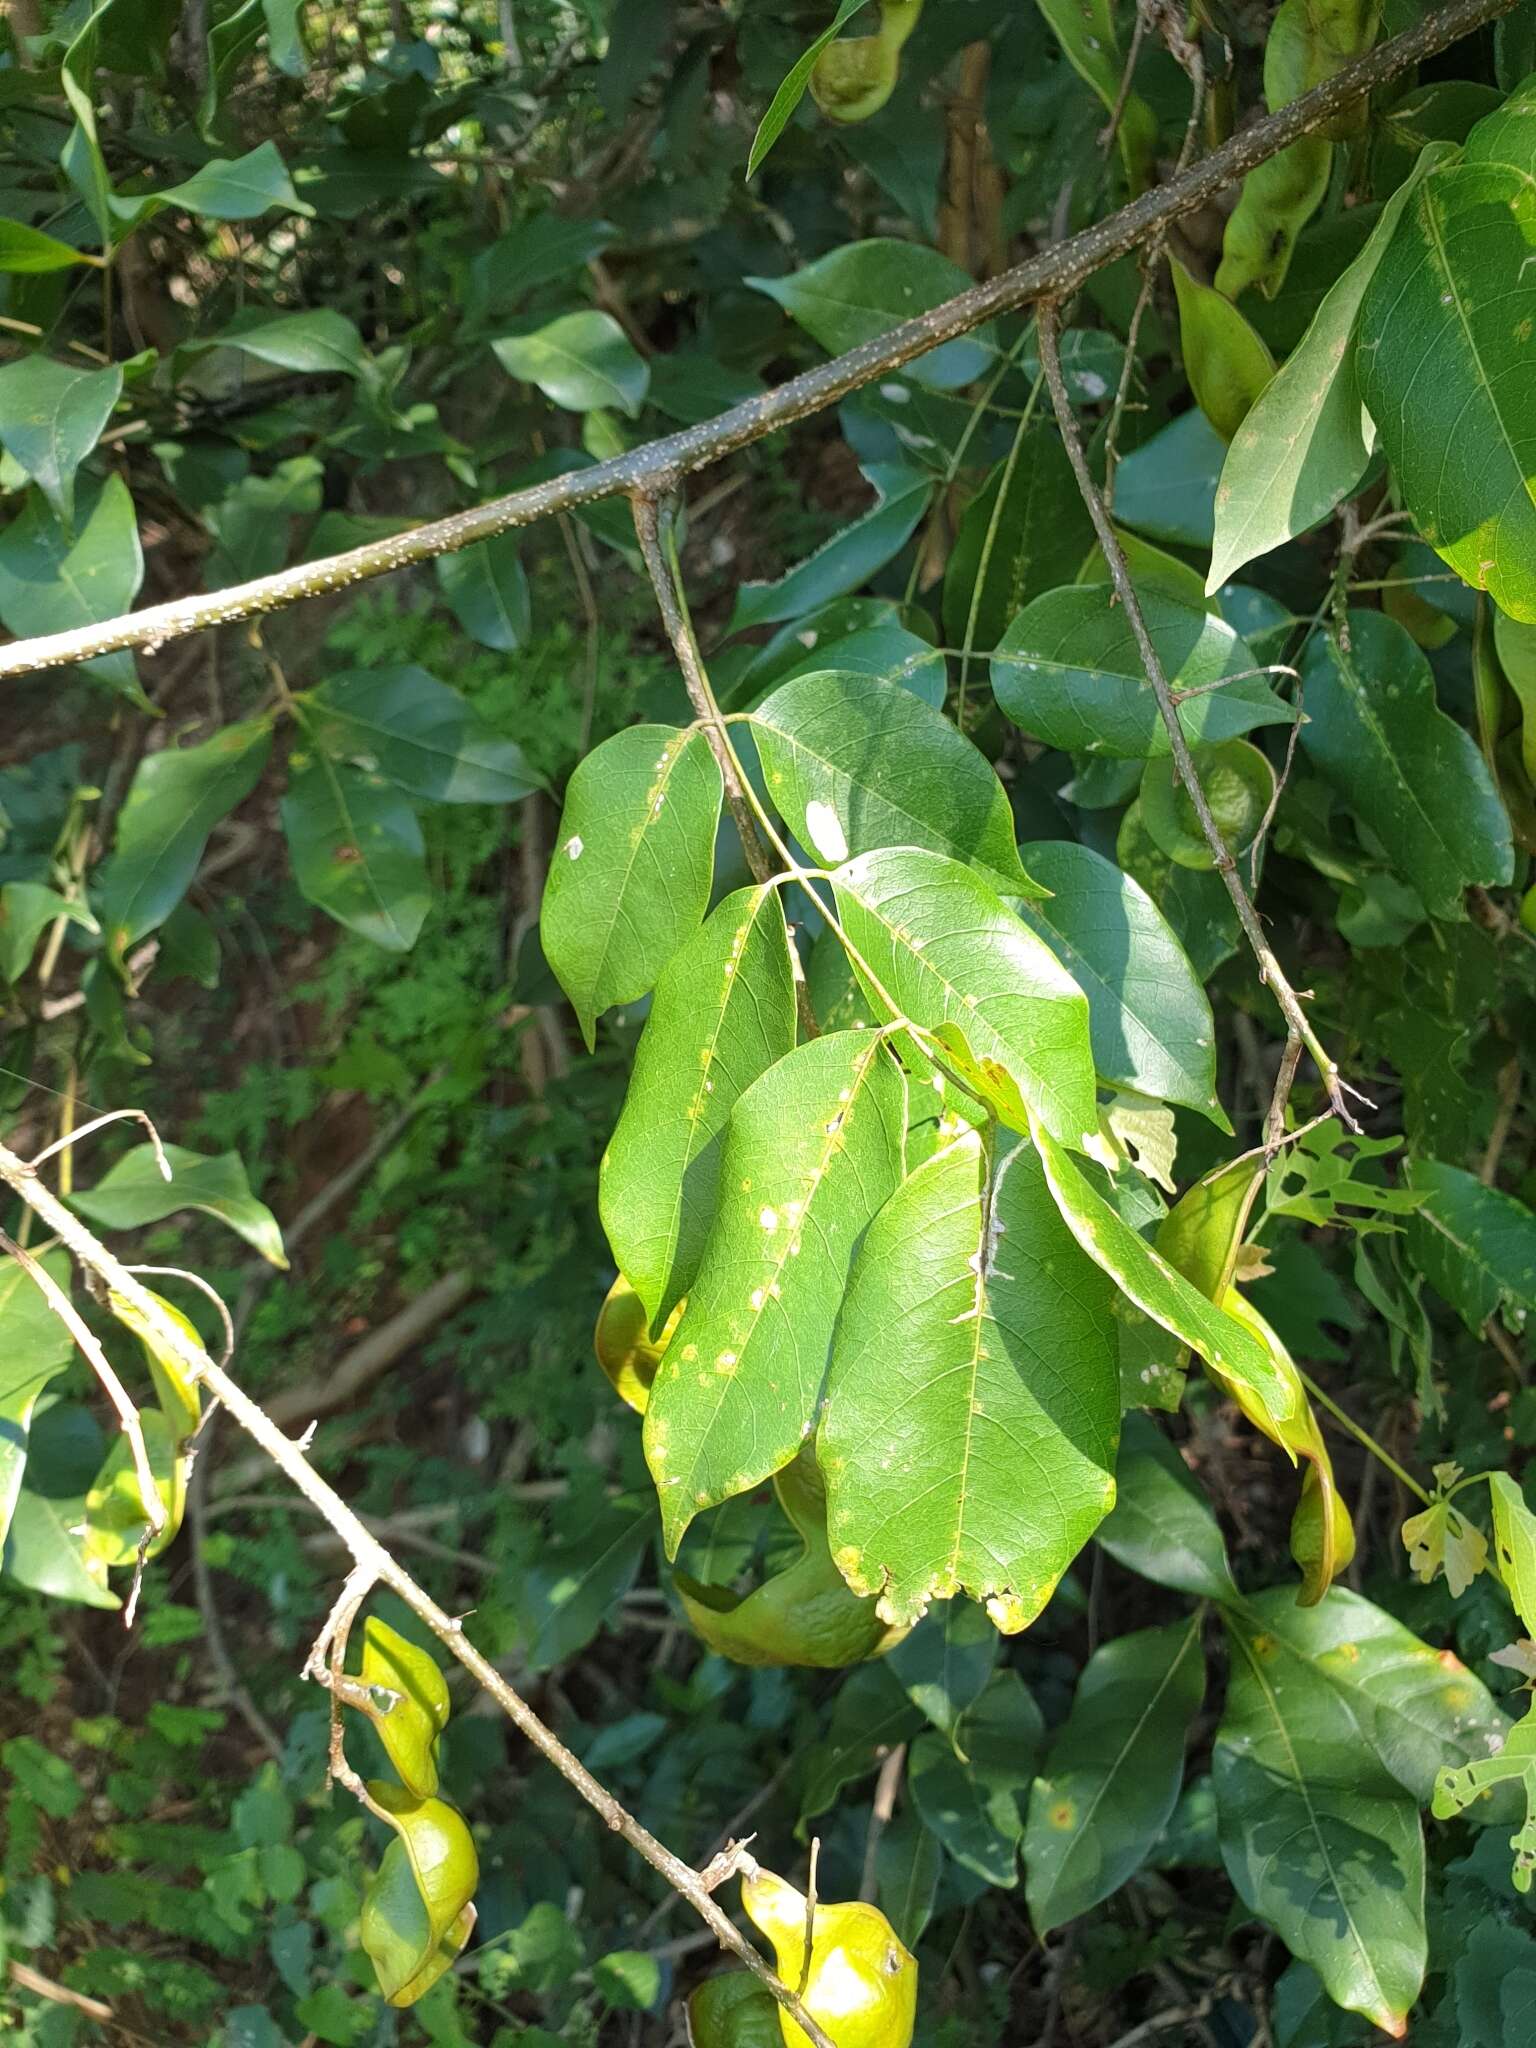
(630, 876)
(408, 1704)
(1318, 1837)
(854, 764)
(723, 1012)
(1457, 1787)
(1159, 1290)
(1410, 773)
(417, 1912)
(1112, 1776)
(1067, 670)
(942, 946)
(812, 1150)
(973, 1399)
(1148, 1016)
(1441, 1539)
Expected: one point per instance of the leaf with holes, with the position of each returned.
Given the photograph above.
(973, 1398)
(812, 1150)
(634, 858)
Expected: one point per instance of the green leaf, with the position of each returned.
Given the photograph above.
(864, 289)
(242, 188)
(135, 1194)
(405, 725)
(870, 1714)
(51, 582)
(1157, 1289)
(564, 1597)
(580, 361)
(1162, 1525)
(973, 1398)
(1307, 442)
(176, 798)
(318, 343)
(35, 1347)
(792, 87)
(630, 877)
(487, 592)
(1148, 1016)
(1475, 1245)
(1166, 488)
(1025, 532)
(973, 1798)
(51, 417)
(1441, 359)
(1410, 773)
(850, 558)
(946, 1661)
(357, 852)
(539, 249)
(1111, 1779)
(1514, 1541)
(1067, 671)
(947, 952)
(30, 252)
(722, 1014)
(1320, 1841)
(1419, 1708)
(26, 911)
(627, 1980)
(909, 1861)
(811, 1151)
(853, 764)
(44, 1552)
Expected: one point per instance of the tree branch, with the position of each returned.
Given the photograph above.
(1052, 273)
(374, 1563)
(1298, 1028)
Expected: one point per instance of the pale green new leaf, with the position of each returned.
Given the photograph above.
(35, 1347)
(26, 911)
(946, 951)
(1410, 773)
(1319, 1839)
(51, 417)
(1419, 1708)
(812, 1150)
(45, 1551)
(357, 851)
(723, 1013)
(581, 361)
(1157, 1289)
(136, 1193)
(1111, 1779)
(1307, 441)
(1162, 1525)
(1148, 1016)
(864, 289)
(29, 252)
(1068, 672)
(630, 877)
(1443, 359)
(1475, 1245)
(52, 580)
(176, 798)
(1458, 1787)
(419, 734)
(854, 764)
(973, 1400)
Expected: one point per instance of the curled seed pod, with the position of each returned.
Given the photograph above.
(417, 1913)
(804, 1615)
(855, 76)
(407, 1701)
(861, 1985)
(1228, 364)
(114, 1507)
(1239, 785)
(1277, 200)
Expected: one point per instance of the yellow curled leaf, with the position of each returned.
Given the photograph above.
(862, 1983)
(1227, 362)
(804, 1615)
(625, 1349)
(115, 1520)
(407, 1703)
(417, 1913)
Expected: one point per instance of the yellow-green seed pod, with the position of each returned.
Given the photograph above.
(1228, 364)
(855, 76)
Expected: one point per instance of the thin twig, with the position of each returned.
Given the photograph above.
(810, 1920)
(880, 1818)
(1052, 273)
(58, 1994)
(1048, 327)
(112, 1116)
(371, 1556)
